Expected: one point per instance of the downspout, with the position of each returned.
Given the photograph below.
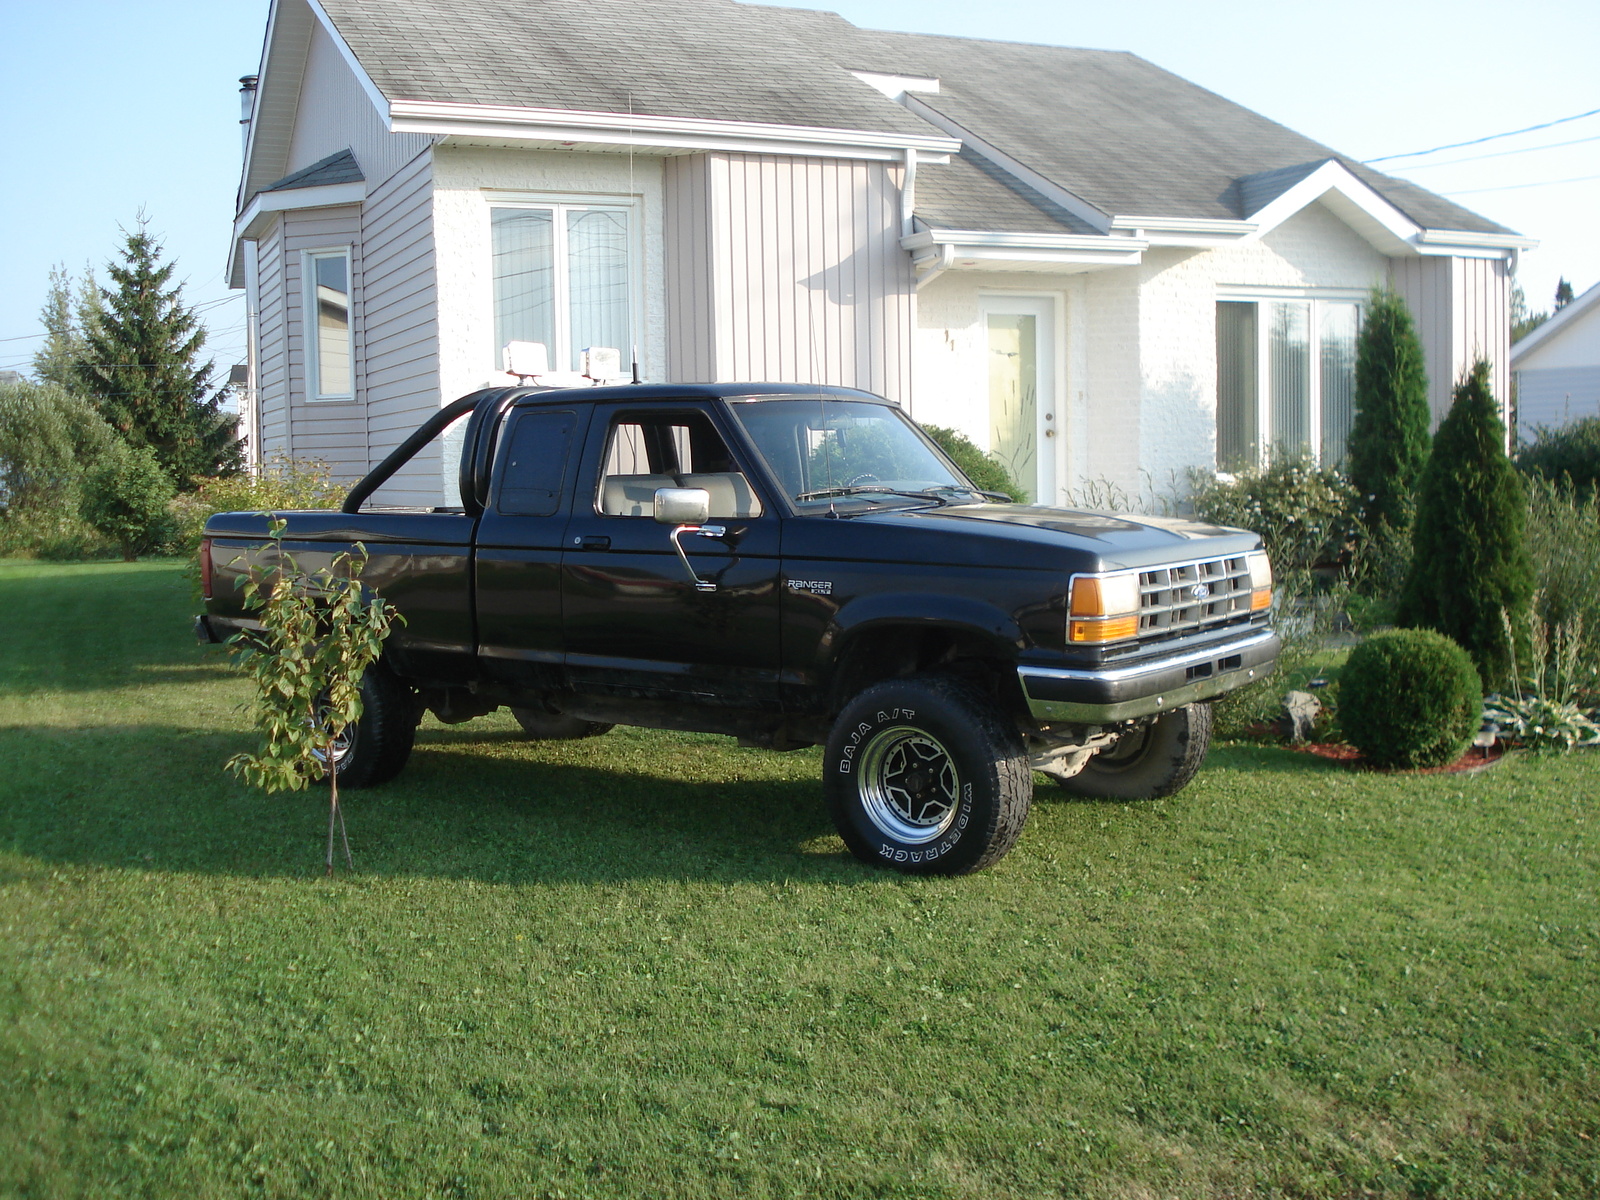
(908, 194)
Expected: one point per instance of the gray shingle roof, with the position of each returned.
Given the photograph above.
(1113, 129)
(973, 193)
(707, 59)
(336, 168)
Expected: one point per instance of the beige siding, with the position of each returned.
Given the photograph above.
(804, 281)
(272, 369)
(1462, 310)
(337, 113)
(691, 348)
(399, 349)
(332, 431)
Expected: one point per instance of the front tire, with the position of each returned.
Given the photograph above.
(927, 776)
(1155, 759)
(376, 747)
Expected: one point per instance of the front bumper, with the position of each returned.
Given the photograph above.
(1119, 693)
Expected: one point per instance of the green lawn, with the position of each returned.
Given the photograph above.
(643, 965)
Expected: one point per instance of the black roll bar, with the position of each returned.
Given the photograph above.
(401, 454)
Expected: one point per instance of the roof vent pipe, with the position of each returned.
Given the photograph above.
(247, 106)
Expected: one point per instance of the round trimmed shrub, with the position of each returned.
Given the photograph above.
(1410, 698)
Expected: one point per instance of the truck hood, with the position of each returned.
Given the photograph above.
(1116, 541)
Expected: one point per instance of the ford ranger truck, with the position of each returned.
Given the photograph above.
(790, 565)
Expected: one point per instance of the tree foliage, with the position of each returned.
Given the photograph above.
(985, 470)
(1469, 564)
(1388, 444)
(71, 311)
(1569, 454)
(46, 439)
(140, 367)
(125, 497)
(320, 632)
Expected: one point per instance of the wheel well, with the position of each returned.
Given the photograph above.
(895, 652)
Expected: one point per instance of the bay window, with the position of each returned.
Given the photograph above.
(1285, 378)
(563, 277)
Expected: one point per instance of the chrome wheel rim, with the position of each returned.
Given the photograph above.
(909, 785)
(342, 745)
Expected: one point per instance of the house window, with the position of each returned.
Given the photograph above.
(563, 277)
(330, 354)
(1286, 373)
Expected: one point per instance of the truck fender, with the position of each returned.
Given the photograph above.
(857, 618)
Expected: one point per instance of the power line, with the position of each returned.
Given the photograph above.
(1479, 141)
(1450, 162)
(1511, 187)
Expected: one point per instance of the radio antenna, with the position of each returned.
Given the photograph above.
(634, 351)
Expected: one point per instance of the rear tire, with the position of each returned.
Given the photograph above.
(927, 776)
(375, 749)
(1156, 759)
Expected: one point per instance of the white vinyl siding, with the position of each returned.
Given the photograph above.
(333, 431)
(399, 348)
(272, 368)
(1461, 307)
(345, 119)
(788, 269)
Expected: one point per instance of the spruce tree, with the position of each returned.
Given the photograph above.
(1388, 444)
(1469, 561)
(140, 367)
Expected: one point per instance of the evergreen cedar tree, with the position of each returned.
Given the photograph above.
(1388, 445)
(138, 368)
(1469, 560)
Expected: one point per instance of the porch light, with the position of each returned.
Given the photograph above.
(1260, 580)
(1104, 608)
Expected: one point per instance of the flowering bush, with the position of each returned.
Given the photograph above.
(1308, 516)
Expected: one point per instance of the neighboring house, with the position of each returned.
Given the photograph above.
(1558, 368)
(1094, 268)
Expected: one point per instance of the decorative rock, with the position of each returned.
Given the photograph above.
(1300, 712)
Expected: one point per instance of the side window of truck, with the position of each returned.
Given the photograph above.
(646, 452)
(534, 463)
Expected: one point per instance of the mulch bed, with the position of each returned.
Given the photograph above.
(1473, 760)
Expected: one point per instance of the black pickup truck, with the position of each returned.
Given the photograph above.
(791, 565)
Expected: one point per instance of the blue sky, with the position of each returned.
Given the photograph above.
(109, 107)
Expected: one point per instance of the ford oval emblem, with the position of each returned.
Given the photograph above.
(1200, 591)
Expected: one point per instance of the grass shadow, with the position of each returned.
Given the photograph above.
(491, 807)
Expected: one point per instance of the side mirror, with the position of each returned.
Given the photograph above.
(682, 506)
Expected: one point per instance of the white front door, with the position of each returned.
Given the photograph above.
(1020, 332)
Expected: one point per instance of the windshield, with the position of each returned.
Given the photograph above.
(823, 449)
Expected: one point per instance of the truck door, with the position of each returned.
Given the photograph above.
(520, 540)
(636, 624)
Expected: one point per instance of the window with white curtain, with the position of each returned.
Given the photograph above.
(1286, 373)
(563, 277)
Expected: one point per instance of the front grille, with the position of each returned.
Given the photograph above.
(1197, 595)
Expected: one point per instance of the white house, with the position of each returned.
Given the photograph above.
(1092, 267)
(1557, 367)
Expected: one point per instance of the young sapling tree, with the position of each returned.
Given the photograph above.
(320, 633)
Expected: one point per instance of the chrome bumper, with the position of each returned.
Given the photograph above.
(1118, 693)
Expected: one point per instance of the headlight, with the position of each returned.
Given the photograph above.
(1260, 580)
(1104, 608)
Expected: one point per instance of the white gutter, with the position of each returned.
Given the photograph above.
(936, 250)
(566, 125)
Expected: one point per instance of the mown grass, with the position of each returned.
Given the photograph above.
(643, 965)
